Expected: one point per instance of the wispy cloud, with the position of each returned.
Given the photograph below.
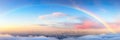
(53, 15)
(72, 21)
(87, 24)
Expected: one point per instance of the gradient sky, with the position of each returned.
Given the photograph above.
(58, 13)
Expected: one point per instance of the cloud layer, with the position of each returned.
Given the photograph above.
(87, 37)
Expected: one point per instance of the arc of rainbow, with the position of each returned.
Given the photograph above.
(90, 14)
(96, 17)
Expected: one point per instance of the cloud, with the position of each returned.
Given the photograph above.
(58, 14)
(86, 24)
(90, 37)
(76, 19)
(5, 35)
(86, 37)
(43, 17)
(27, 38)
(96, 37)
(68, 21)
(53, 15)
(70, 38)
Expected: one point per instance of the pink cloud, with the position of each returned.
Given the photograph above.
(43, 17)
(86, 25)
(53, 15)
(58, 14)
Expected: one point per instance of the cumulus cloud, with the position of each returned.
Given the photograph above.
(86, 37)
(70, 38)
(4, 37)
(90, 37)
(96, 37)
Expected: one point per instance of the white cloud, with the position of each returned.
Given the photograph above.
(10, 37)
(58, 14)
(70, 38)
(43, 16)
(87, 37)
(73, 18)
(52, 38)
(97, 37)
(90, 37)
(53, 15)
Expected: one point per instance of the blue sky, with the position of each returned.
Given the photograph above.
(28, 11)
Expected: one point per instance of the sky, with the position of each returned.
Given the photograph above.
(89, 14)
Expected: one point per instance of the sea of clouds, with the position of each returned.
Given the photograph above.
(87, 37)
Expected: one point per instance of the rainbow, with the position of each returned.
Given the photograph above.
(97, 18)
(92, 15)
(88, 13)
